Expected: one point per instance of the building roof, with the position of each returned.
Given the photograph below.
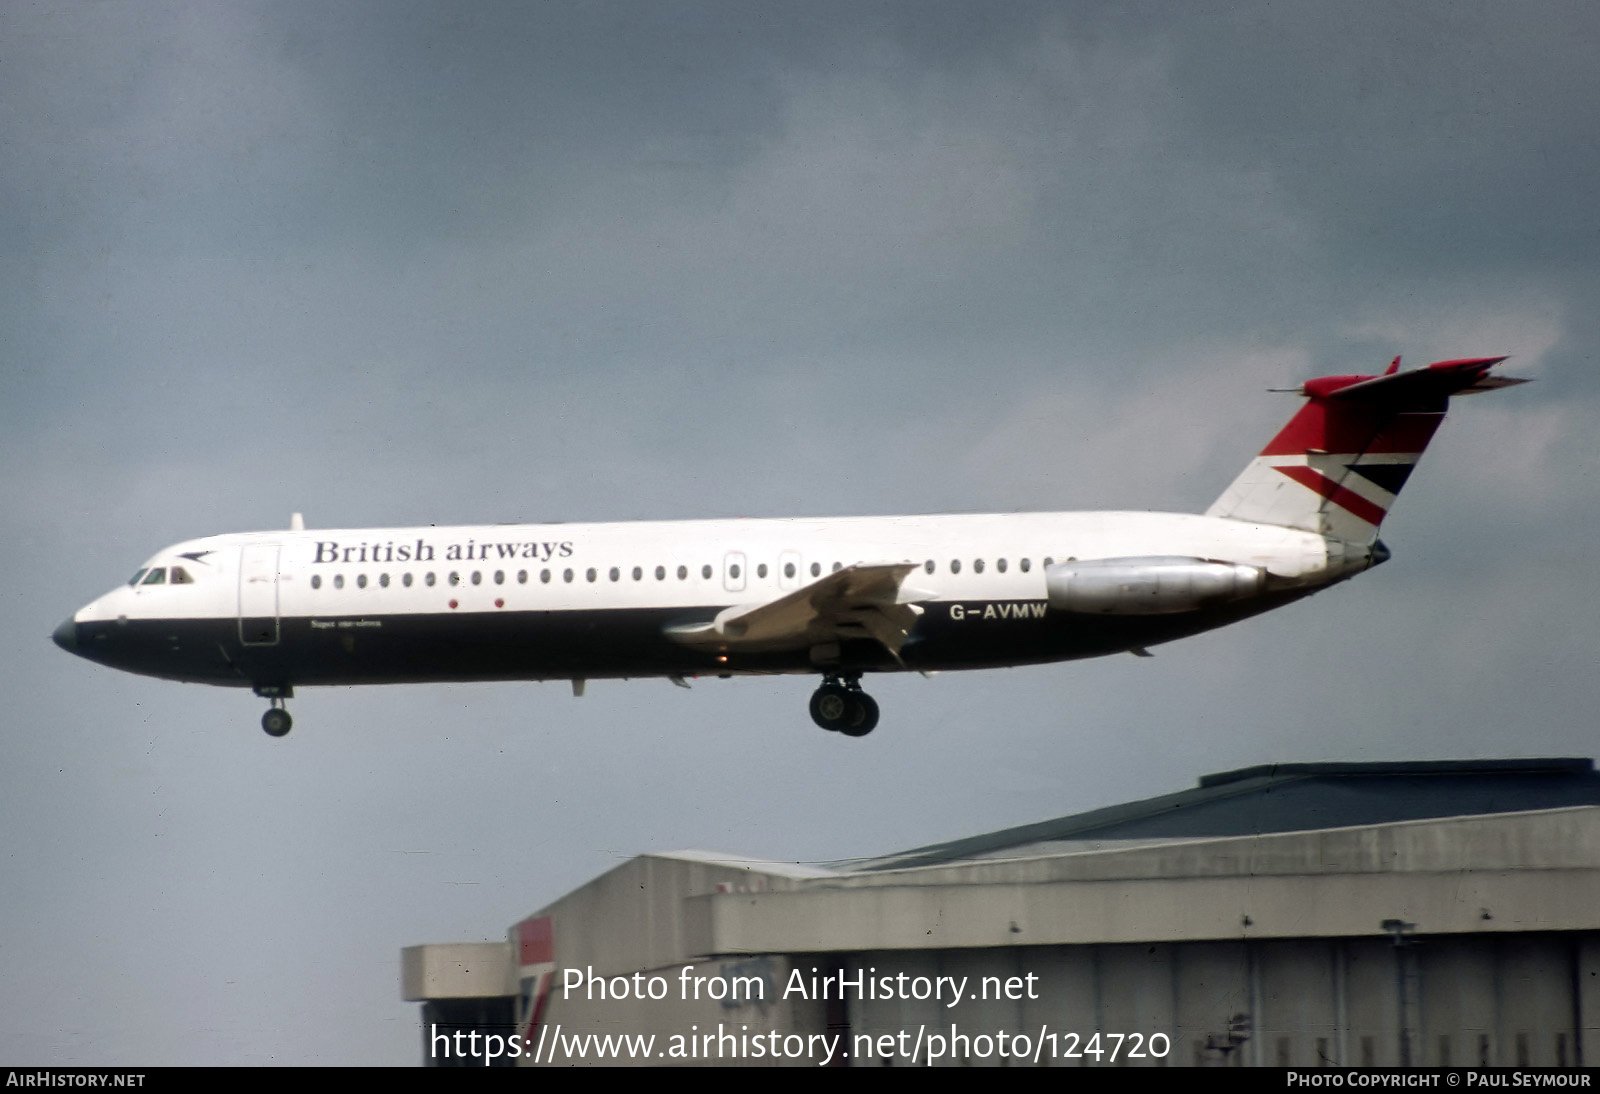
(1272, 798)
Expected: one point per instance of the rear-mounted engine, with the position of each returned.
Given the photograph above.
(1159, 585)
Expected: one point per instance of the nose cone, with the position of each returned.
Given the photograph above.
(66, 636)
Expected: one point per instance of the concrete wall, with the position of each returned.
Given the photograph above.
(1507, 998)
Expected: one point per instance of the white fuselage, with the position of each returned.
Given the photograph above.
(363, 572)
(278, 609)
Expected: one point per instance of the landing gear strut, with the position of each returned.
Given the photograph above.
(276, 720)
(840, 705)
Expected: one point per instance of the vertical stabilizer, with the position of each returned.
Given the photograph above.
(1338, 464)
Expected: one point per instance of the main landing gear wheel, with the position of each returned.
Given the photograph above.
(276, 721)
(865, 709)
(841, 706)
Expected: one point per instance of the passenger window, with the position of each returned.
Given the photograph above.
(837, 566)
(816, 569)
(683, 573)
(590, 574)
(788, 569)
(383, 579)
(1048, 562)
(955, 565)
(338, 581)
(522, 577)
(638, 574)
(705, 572)
(733, 572)
(361, 581)
(405, 579)
(499, 577)
(157, 576)
(428, 580)
(615, 574)
(928, 565)
(544, 577)
(477, 577)
(761, 570)
(455, 578)
(661, 573)
(1027, 564)
(316, 581)
(977, 566)
(138, 577)
(566, 575)
(1000, 565)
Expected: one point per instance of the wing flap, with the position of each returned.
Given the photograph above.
(866, 600)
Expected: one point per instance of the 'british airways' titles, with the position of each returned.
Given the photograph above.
(423, 551)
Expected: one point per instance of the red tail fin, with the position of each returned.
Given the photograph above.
(1338, 464)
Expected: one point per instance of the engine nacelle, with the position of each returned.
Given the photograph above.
(1148, 586)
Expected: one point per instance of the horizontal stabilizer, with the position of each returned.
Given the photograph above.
(1416, 388)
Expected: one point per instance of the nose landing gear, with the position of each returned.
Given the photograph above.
(276, 720)
(840, 706)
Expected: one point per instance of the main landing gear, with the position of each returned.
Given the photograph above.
(840, 706)
(276, 720)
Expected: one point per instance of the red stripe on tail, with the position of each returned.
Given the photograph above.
(1346, 499)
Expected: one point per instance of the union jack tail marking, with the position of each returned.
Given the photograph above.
(1338, 464)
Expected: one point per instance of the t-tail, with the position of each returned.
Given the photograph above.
(1337, 466)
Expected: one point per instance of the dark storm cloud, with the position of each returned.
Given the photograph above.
(1418, 135)
(721, 185)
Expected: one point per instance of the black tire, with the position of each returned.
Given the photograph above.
(863, 715)
(832, 707)
(277, 722)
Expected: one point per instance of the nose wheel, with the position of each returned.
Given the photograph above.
(840, 706)
(276, 720)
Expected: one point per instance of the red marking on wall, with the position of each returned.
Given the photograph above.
(536, 941)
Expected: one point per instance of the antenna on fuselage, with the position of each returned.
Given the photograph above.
(297, 523)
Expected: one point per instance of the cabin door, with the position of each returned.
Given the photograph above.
(258, 594)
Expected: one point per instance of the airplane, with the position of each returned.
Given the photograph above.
(837, 597)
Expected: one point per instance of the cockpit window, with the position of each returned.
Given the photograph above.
(138, 577)
(157, 576)
(180, 576)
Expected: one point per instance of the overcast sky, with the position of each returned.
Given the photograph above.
(394, 264)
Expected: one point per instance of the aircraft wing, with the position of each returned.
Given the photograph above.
(866, 600)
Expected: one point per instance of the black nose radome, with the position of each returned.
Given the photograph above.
(66, 636)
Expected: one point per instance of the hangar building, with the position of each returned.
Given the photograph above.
(1294, 914)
